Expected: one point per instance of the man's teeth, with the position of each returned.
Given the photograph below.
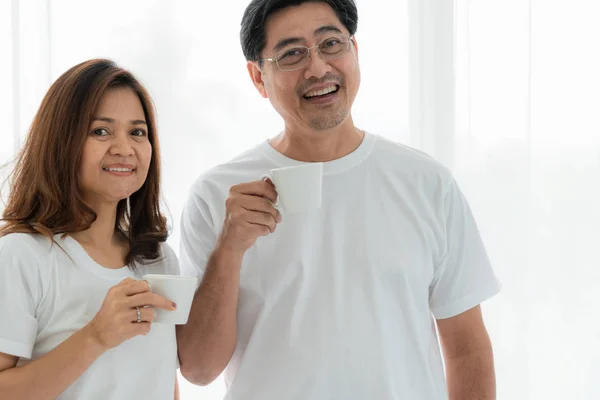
(323, 92)
(118, 169)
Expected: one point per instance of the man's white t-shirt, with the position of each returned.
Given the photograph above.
(339, 303)
(50, 291)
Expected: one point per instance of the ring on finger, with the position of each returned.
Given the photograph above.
(139, 315)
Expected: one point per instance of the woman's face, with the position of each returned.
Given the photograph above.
(117, 152)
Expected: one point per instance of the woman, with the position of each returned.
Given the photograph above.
(81, 226)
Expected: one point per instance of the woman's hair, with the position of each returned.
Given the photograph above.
(44, 193)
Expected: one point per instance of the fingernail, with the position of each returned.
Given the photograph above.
(173, 304)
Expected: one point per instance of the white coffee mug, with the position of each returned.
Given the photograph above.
(178, 289)
(299, 187)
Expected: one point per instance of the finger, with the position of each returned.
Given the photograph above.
(133, 287)
(259, 218)
(256, 188)
(269, 181)
(245, 218)
(141, 328)
(260, 230)
(150, 299)
(253, 203)
(146, 314)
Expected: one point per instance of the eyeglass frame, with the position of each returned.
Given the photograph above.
(276, 59)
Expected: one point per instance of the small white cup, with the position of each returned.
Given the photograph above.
(299, 187)
(179, 289)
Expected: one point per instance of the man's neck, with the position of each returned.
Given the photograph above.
(318, 146)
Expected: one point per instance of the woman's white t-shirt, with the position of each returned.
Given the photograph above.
(49, 291)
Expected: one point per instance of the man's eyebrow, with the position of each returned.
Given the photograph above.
(325, 29)
(294, 40)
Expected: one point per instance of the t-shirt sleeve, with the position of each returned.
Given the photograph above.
(20, 292)
(197, 235)
(171, 261)
(171, 267)
(464, 277)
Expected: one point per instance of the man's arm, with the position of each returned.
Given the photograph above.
(468, 356)
(207, 342)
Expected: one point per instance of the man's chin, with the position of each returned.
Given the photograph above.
(325, 122)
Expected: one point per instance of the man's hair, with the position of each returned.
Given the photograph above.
(252, 33)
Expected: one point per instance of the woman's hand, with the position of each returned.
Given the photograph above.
(117, 319)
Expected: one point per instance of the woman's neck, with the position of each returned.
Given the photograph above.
(102, 232)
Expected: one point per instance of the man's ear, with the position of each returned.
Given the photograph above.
(355, 43)
(256, 75)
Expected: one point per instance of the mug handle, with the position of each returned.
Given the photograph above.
(264, 178)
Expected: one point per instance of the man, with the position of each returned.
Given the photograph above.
(342, 302)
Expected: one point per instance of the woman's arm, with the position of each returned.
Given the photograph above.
(53, 373)
(176, 388)
(115, 322)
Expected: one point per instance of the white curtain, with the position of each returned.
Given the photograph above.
(504, 93)
(526, 148)
(7, 116)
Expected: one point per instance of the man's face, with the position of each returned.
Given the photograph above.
(319, 95)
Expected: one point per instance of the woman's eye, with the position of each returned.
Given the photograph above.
(100, 132)
(138, 132)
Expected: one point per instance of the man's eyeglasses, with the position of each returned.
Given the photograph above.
(298, 57)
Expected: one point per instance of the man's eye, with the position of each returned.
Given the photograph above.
(292, 53)
(331, 43)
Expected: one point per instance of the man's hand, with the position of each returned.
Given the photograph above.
(250, 213)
